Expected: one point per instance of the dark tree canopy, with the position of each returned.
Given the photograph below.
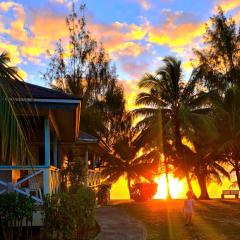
(83, 68)
(219, 59)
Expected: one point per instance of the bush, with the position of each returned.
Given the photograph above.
(14, 209)
(85, 203)
(141, 192)
(69, 215)
(58, 216)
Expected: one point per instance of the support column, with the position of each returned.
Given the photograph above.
(55, 151)
(86, 166)
(46, 181)
(46, 174)
(47, 141)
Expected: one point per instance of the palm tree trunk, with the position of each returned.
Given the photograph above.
(203, 186)
(129, 187)
(237, 172)
(178, 140)
(167, 179)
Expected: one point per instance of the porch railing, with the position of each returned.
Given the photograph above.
(41, 180)
(94, 178)
(55, 179)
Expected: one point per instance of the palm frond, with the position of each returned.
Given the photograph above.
(13, 136)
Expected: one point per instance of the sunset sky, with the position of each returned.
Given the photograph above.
(136, 33)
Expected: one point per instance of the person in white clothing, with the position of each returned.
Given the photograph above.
(188, 208)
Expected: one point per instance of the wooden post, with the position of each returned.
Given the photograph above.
(46, 181)
(55, 151)
(46, 174)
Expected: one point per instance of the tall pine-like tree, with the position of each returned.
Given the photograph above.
(83, 68)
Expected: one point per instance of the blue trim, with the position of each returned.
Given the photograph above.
(22, 167)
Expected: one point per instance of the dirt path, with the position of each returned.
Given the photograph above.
(117, 225)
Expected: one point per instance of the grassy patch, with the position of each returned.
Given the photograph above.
(212, 220)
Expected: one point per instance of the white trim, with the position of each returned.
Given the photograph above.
(16, 185)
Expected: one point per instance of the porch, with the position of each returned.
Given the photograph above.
(44, 176)
(36, 181)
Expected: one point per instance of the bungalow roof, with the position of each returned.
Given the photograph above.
(86, 138)
(29, 90)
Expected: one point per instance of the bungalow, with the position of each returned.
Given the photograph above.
(94, 149)
(55, 132)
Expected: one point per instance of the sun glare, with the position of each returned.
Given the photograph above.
(176, 187)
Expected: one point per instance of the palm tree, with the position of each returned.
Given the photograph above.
(13, 137)
(208, 165)
(175, 106)
(124, 160)
(184, 168)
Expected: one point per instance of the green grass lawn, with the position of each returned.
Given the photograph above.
(212, 220)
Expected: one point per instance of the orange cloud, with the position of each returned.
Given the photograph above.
(46, 29)
(126, 49)
(145, 4)
(228, 5)
(176, 32)
(176, 35)
(17, 29)
(119, 38)
(136, 32)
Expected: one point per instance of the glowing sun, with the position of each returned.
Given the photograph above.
(176, 187)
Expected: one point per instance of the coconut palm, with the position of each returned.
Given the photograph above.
(12, 135)
(175, 106)
(208, 165)
(124, 160)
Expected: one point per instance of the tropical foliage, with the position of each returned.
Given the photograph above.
(191, 128)
(219, 59)
(16, 209)
(125, 161)
(13, 136)
(179, 106)
(70, 215)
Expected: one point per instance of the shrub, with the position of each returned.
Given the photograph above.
(69, 215)
(14, 209)
(58, 216)
(141, 192)
(84, 211)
